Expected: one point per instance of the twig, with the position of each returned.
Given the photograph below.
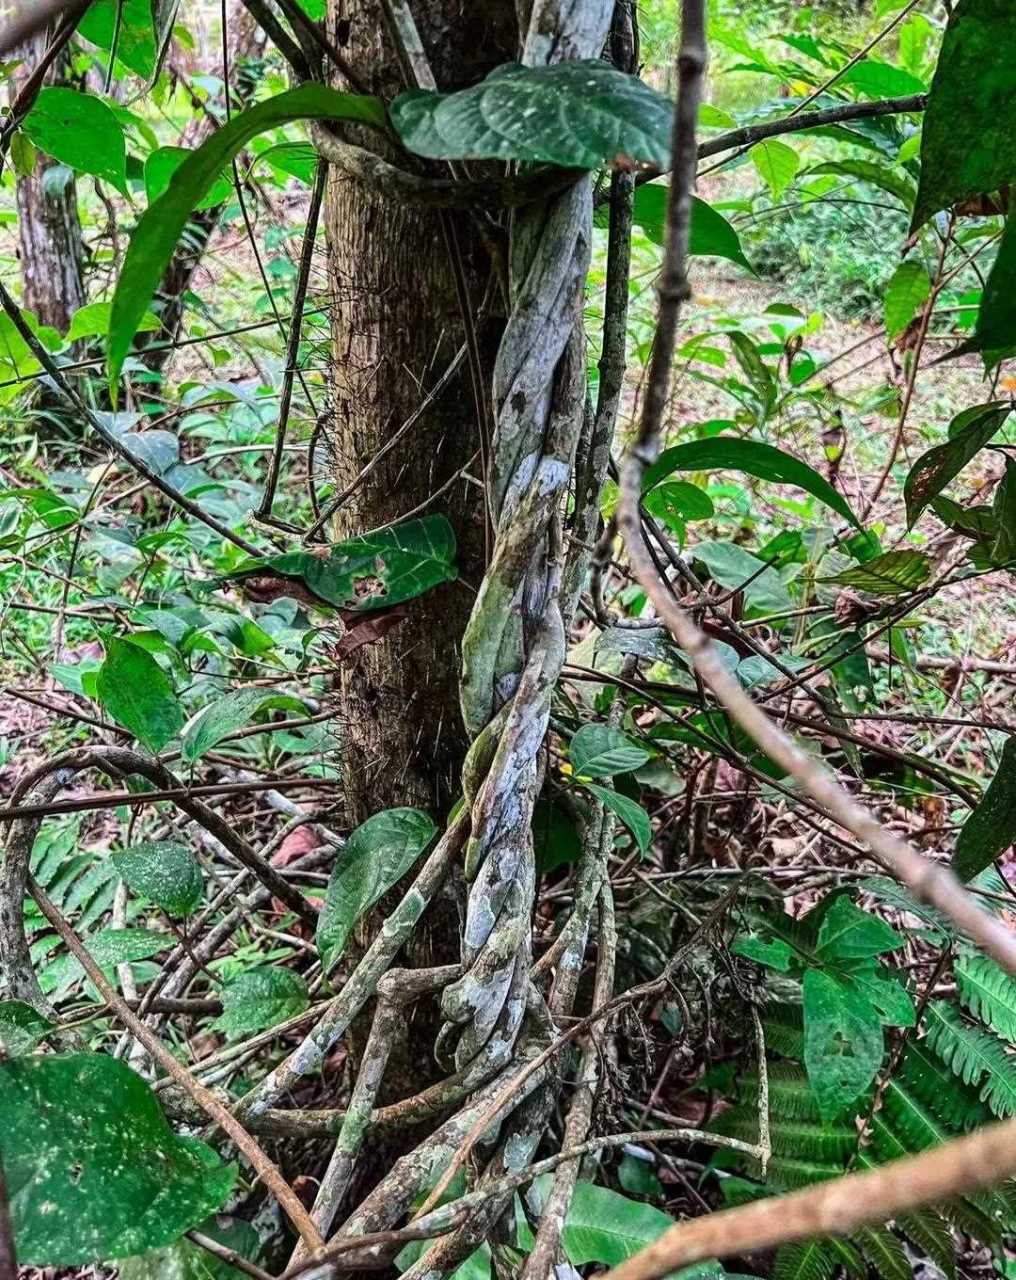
(206, 1100)
(227, 1255)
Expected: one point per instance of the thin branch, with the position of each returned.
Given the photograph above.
(33, 17)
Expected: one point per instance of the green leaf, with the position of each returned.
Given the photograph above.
(711, 235)
(21, 1028)
(375, 571)
(991, 828)
(217, 720)
(93, 1169)
(888, 574)
(774, 953)
(886, 994)
(970, 116)
(580, 115)
(969, 432)
(186, 1261)
(599, 751)
(882, 80)
(260, 998)
(160, 227)
(109, 948)
(136, 692)
(162, 166)
(165, 872)
(92, 321)
(894, 181)
(842, 1042)
(905, 294)
(375, 857)
(995, 330)
(294, 159)
(130, 21)
(987, 991)
(777, 164)
(736, 569)
(83, 133)
(1004, 510)
(628, 811)
(848, 933)
(677, 499)
(754, 458)
(977, 1057)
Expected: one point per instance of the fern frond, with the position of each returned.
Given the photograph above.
(847, 1257)
(785, 1173)
(790, 1095)
(784, 1031)
(972, 1220)
(977, 1057)
(810, 1260)
(930, 1232)
(988, 992)
(884, 1252)
(924, 1075)
(804, 1140)
(913, 1125)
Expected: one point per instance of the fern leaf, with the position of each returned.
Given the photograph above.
(884, 1252)
(972, 1220)
(988, 992)
(977, 1057)
(786, 1173)
(784, 1031)
(790, 1095)
(924, 1075)
(914, 1125)
(932, 1236)
(847, 1257)
(810, 1260)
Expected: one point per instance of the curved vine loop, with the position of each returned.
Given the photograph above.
(514, 644)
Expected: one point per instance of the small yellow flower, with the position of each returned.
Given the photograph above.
(1009, 385)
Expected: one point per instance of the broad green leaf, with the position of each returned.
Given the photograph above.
(160, 227)
(887, 995)
(580, 115)
(217, 720)
(164, 871)
(969, 432)
(905, 294)
(109, 948)
(161, 168)
(882, 80)
(848, 933)
(83, 133)
(711, 234)
(93, 1169)
(599, 751)
(21, 1028)
(678, 498)
(991, 828)
(1004, 511)
(777, 164)
(737, 569)
(628, 811)
(842, 1042)
(374, 571)
(375, 857)
(136, 692)
(888, 574)
(260, 998)
(774, 953)
(130, 22)
(555, 839)
(92, 321)
(970, 118)
(995, 330)
(186, 1261)
(295, 159)
(754, 458)
(895, 181)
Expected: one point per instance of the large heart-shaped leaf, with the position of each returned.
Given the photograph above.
(136, 692)
(581, 115)
(160, 227)
(376, 570)
(969, 432)
(754, 458)
(970, 118)
(93, 1169)
(164, 871)
(83, 133)
(376, 856)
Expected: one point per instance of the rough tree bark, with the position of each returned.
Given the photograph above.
(396, 327)
(49, 230)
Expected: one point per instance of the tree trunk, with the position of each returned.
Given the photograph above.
(396, 326)
(49, 230)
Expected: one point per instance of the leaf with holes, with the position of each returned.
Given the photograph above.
(888, 574)
(160, 227)
(905, 294)
(375, 857)
(375, 571)
(991, 828)
(93, 1169)
(599, 751)
(970, 116)
(848, 933)
(628, 811)
(136, 692)
(754, 458)
(580, 115)
(842, 1042)
(260, 998)
(969, 432)
(83, 133)
(164, 871)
